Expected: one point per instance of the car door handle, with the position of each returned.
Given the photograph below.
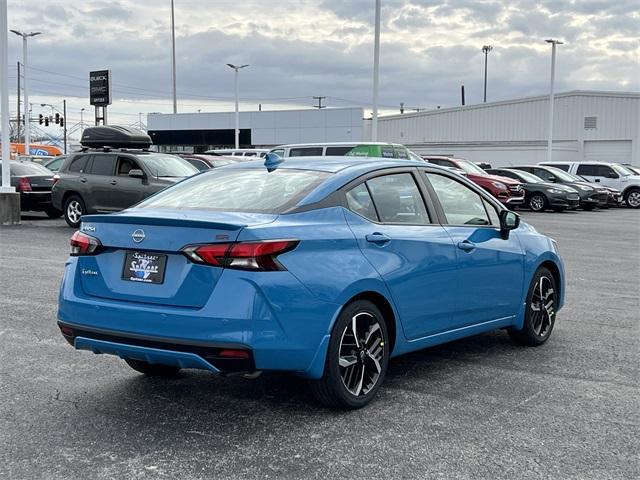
(83, 179)
(377, 237)
(466, 245)
(113, 182)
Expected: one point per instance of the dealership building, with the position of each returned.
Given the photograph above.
(588, 125)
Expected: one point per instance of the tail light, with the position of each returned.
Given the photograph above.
(83, 244)
(260, 256)
(24, 185)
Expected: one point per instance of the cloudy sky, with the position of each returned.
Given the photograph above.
(300, 48)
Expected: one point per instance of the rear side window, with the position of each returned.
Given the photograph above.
(589, 170)
(306, 152)
(103, 165)
(239, 190)
(461, 205)
(397, 199)
(79, 164)
(337, 151)
(359, 201)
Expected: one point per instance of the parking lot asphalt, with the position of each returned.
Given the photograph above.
(476, 408)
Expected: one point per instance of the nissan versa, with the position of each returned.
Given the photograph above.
(322, 267)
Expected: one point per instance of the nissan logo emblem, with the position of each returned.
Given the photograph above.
(138, 236)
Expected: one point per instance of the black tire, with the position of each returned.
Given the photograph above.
(538, 202)
(538, 320)
(152, 369)
(366, 373)
(73, 210)
(53, 212)
(632, 198)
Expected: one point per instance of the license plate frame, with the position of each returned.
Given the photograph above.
(144, 267)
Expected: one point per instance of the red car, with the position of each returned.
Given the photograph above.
(507, 190)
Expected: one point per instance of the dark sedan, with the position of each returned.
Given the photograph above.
(34, 183)
(590, 196)
(541, 195)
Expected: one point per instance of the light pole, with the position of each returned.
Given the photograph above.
(486, 49)
(237, 130)
(376, 68)
(4, 107)
(27, 134)
(173, 59)
(554, 44)
(81, 121)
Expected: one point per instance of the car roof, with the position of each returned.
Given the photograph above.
(335, 144)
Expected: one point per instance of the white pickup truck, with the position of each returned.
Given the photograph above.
(608, 174)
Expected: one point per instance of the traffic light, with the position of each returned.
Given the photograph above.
(57, 118)
(46, 121)
(40, 119)
(62, 121)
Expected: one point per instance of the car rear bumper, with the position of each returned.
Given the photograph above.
(35, 201)
(282, 326)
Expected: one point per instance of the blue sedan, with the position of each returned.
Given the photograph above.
(322, 267)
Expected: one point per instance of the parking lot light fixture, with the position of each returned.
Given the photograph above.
(376, 70)
(27, 133)
(554, 43)
(486, 49)
(237, 129)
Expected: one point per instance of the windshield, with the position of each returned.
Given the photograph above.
(470, 167)
(239, 190)
(622, 171)
(162, 165)
(528, 177)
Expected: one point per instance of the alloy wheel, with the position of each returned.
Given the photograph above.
(74, 211)
(362, 350)
(633, 199)
(543, 306)
(536, 203)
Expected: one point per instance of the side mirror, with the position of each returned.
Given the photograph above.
(136, 173)
(508, 221)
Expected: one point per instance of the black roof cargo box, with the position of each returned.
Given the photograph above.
(114, 137)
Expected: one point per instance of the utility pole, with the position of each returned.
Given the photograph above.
(81, 121)
(173, 59)
(401, 107)
(64, 127)
(554, 44)
(376, 68)
(18, 97)
(486, 49)
(462, 94)
(319, 106)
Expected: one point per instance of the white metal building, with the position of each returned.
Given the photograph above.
(258, 129)
(588, 125)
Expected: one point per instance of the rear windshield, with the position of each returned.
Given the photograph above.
(239, 190)
(29, 169)
(162, 165)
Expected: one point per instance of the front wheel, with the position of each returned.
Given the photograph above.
(538, 202)
(357, 358)
(540, 314)
(632, 198)
(152, 369)
(73, 210)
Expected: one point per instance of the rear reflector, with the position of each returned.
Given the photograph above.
(83, 244)
(239, 354)
(243, 256)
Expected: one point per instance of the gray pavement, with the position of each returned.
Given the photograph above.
(476, 408)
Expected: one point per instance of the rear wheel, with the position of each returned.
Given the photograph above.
(73, 210)
(538, 202)
(53, 212)
(152, 369)
(540, 314)
(357, 358)
(632, 198)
